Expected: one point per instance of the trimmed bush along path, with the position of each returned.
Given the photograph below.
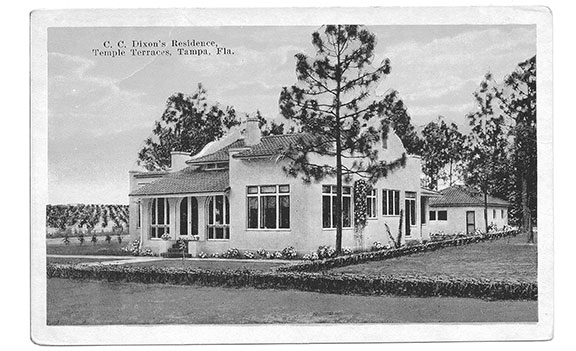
(340, 261)
(315, 275)
(319, 282)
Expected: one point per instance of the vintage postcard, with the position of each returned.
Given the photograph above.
(217, 176)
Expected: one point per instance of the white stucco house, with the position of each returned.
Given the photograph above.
(460, 209)
(235, 194)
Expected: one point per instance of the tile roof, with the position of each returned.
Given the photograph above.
(459, 195)
(274, 144)
(220, 155)
(268, 146)
(187, 181)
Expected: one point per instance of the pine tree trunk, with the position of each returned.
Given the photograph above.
(338, 159)
(486, 210)
(399, 241)
(526, 215)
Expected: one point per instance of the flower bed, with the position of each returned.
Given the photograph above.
(319, 282)
(340, 261)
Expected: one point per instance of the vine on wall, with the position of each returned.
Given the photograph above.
(361, 191)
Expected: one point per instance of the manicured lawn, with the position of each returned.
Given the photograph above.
(82, 302)
(75, 260)
(509, 258)
(258, 265)
(100, 248)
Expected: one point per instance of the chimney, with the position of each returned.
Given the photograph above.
(178, 160)
(252, 133)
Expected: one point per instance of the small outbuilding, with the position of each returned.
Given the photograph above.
(460, 209)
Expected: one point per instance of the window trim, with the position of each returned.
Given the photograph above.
(396, 204)
(212, 200)
(277, 194)
(153, 235)
(372, 196)
(332, 194)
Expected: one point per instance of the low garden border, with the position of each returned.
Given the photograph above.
(356, 258)
(417, 286)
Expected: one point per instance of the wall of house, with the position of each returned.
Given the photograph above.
(456, 220)
(306, 232)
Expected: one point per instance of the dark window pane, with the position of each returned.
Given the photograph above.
(268, 212)
(160, 231)
(284, 212)
(346, 190)
(432, 215)
(334, 220)
(160, 211)
(219, 233)
(391, 202)
(396, 202)
(252, 190)
(226, 233)
(442, 215)
(346, 212)
(384, 202)
(154, 211)
(227, 202)
(167, 211)
(252, 212)
(326, 189)
(211, 211)
(210, 233)
(326, 211)
(194, 215)
(412, 212)
(219, 208)
(184, 217)
(369, 207)
(284, 188)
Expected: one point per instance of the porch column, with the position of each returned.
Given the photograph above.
(172, 202)
(145, 224)
(202, 217)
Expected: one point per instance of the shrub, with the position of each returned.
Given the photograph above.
(202, 254)
(325, 252)
(249, 255)
(215, 255)
(377, 246)
(261, 252)
(320, 282)
(347, 251)
(231, 253)
(289, 253)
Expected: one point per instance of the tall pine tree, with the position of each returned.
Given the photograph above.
(487, 143)
(518, 101)
(332, 103)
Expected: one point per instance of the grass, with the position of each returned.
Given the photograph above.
(509, 258)
(257, 265)
(100, 248)
(81, 302)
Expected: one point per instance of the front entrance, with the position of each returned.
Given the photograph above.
(188, 217)
(410, 206)
(470, 222)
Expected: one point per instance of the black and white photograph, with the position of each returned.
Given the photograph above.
(376, 174)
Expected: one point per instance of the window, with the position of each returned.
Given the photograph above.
(218, 217)
(139, 219)
(432, 215)
(371, 204)
(329, 206)
(494, 214)
(160, 213)
(410, 203)
(390, 202)
(442, 215)
(216, 166)
(268, 207)
(502, 213)
(189, 216)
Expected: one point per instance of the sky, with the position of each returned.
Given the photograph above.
(102, 108)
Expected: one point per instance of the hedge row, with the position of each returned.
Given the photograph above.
(318, 282)
(340, 261)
